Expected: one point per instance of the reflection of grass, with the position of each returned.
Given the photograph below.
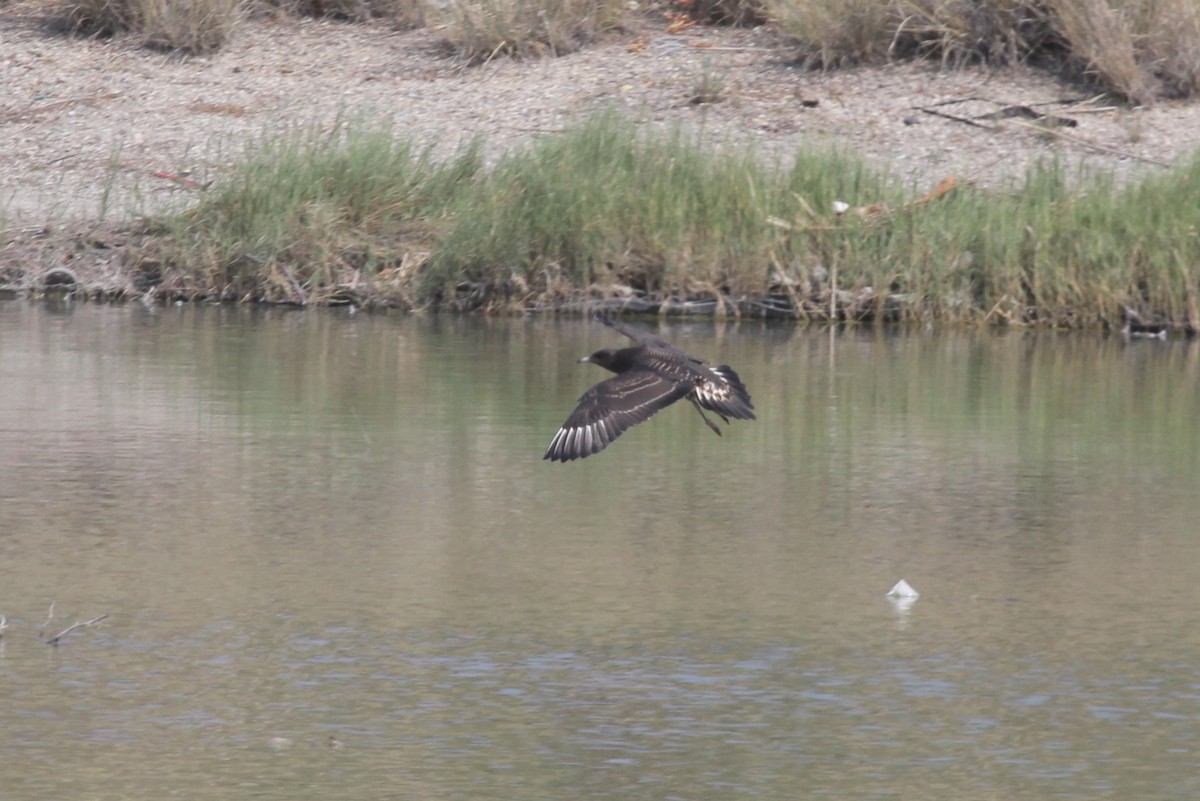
(932, 413)
(604, 210)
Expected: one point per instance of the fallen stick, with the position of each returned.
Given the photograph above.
(1112, 151)
(76, 625)
(957, 118)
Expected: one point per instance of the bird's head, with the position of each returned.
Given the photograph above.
(605, 358)
(601, 357)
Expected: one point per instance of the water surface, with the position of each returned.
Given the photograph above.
(337, 567)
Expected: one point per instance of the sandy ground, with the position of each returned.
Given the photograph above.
(92, 129)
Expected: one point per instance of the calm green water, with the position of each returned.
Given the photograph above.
(312, 525)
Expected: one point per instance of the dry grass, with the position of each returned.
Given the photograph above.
(1102, 44)
(403, 13)
(959, 31)
(1137, 49)
(836, 33)
(185, 26)
(1171, 47)
(708, 84)
(201, 26)
(479, 30)
(724, 12)
(1141, 49)
(97, 17)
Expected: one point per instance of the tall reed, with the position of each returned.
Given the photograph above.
(604, 205)
(606, 209)
(309, 209)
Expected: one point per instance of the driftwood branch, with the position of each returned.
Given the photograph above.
(76, 625)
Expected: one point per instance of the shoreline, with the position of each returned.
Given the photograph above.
(100, 135)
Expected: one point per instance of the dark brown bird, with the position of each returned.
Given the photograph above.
(651, 375)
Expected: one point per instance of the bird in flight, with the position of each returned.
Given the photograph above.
(650, 375)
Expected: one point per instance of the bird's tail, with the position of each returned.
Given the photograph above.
(728, 398)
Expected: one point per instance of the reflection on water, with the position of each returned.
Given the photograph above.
(337, 566)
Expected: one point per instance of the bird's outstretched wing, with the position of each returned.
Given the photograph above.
(606, 410)
(636, 334)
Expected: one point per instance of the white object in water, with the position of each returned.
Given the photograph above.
(902, 596)
(903, 590)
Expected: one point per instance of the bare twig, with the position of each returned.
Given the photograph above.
(707, 48)
(1009, 114)
(49, 617)
(833, 291)
(1097, 110)
(957, 118)
(1112, 151)
(76, 625)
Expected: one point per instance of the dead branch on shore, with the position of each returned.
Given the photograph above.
(1111, 151)
(956, 118)
(1027, 116)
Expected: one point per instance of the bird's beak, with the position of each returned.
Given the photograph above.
(585, 359)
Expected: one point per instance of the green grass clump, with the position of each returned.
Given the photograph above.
(604, 210)
(602, 205)
(1137, 247)
(1052, 251)
(307, 212)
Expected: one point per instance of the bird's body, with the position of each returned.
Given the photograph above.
(650, 375)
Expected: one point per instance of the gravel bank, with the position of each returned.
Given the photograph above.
(104, 130)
